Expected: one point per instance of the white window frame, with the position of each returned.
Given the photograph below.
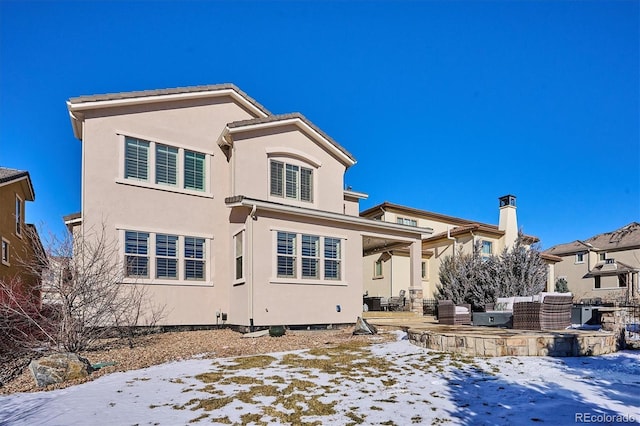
(170, 152)
(580, 257)
(152, 262)
(239, 238)
(136, 255)
(284, 193)
(152, 181)
(175, 258)
(6, 252)
(406, 221)
(486, 243)
(424, 269)
(297, 256)
(19, 214)
(202, 259)
(377, 274)
(602, 256)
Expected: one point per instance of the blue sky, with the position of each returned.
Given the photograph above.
(446, 105)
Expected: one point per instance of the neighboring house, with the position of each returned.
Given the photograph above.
(605, 266)
(22, 250)
(386, 268)
(224, 211)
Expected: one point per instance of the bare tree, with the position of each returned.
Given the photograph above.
(84, 296)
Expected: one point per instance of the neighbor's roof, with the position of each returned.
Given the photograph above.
(623, 238)
(8, 175)
(464, 225)
(286, 118)
(604, 268)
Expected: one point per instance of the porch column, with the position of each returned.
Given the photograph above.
(415, 282)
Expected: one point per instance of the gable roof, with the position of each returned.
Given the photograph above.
(463, 225)
(622, 238)
(296, 119)
(8, 175)
(78, 104)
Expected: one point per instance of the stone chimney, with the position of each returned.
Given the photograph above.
(508, 220)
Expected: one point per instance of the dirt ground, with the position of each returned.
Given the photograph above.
(174, 346)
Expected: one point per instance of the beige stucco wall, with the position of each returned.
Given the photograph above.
(250, 165)
(109, 200)
(299, 301)
(584, 288)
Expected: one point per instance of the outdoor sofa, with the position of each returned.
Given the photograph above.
(451, 314)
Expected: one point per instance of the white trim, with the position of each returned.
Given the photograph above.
(238, 281)
(306, 231)
(165, 188)
(172, 231)
(8, 261)
(25, 177)
(306, 281)
(19, 221)
(293, 153)
(122, 134)
(305, 127)
(82, 106)
(355, 194)
(338, 217)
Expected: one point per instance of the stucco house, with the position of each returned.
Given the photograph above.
(22, 250)
(225, 212)
(385, 268)
(605, 266)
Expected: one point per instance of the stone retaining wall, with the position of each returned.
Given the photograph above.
(511, 343)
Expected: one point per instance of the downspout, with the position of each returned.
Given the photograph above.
(455, 240)
(253, 217)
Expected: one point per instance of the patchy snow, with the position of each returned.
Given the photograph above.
(392, 383)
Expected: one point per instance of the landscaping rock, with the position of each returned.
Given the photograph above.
(363, 327)
(58, 368)
(276, 331)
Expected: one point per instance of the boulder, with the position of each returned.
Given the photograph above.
(363, 327)
(58, 368)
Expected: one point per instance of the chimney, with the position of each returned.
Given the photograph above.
(508, 220)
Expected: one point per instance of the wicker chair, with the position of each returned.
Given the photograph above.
(447, 313)
(554, 313)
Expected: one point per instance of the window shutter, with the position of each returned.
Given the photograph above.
(276, 178)
(166, 165)
(136, 159)
(306, 184)
(194, 170)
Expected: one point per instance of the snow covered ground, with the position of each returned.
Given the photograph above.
(392, 383)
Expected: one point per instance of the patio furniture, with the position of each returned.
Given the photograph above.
(501, 319)
(451, 314)
(552, 313)
(398, 303)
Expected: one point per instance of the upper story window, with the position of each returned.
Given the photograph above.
(194, 170)
(579, 257)
(406, 221)
(136, 160)
(5, 252)
(487, 248)
(167, 256)
(19, 215)
(602, 256)
(166, 165)
(291, 181)
(156, 165)
(377, 269)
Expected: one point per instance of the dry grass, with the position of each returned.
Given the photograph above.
(174, 346)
